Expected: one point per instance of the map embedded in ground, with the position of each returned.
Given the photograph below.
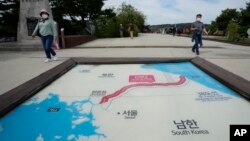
(131, 102)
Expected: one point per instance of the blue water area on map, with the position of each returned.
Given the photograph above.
(32, 119)
(190, 71)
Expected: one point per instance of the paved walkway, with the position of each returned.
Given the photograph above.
(149, 40)
(19, 67)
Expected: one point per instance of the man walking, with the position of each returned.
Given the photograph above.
(174, 30)
(198, 27)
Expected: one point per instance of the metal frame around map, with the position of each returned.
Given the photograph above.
(18, 95)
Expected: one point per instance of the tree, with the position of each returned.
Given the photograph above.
(232, 31)
(9, 15)
(107, 25)
(76, 12)
(213, 27)
(244, 20)
(245, 15)
(229, 18)
(128, 14)
(226, 16)
(109, 13)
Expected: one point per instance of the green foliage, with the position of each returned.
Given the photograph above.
(243, 31)
(226, 16)
(128, 14)
(72, 14)
(9, 15)
(77, 10)
(232, 31)
(109, 13)
(213, 27)
(234, 22)
(245, 15)
(107, 26)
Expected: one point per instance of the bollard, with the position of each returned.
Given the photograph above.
(63, 38)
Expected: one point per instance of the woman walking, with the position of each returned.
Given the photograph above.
(46, 29)
(131, 30)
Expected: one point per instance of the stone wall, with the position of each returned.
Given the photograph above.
(74, 40)
(29, 14)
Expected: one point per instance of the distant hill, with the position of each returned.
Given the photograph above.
(180, 26)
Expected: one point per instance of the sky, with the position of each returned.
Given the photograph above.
(179, 11)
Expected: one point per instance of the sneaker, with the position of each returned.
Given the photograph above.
(55, 58)
(47, 60)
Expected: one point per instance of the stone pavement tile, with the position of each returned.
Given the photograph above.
(19, 68)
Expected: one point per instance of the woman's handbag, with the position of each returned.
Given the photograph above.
(55, 45)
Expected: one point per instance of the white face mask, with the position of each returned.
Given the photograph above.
(45, 16)
(198, 19)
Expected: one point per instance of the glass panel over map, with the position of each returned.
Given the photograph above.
(131, 102)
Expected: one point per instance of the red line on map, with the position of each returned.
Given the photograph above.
(125, 88)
